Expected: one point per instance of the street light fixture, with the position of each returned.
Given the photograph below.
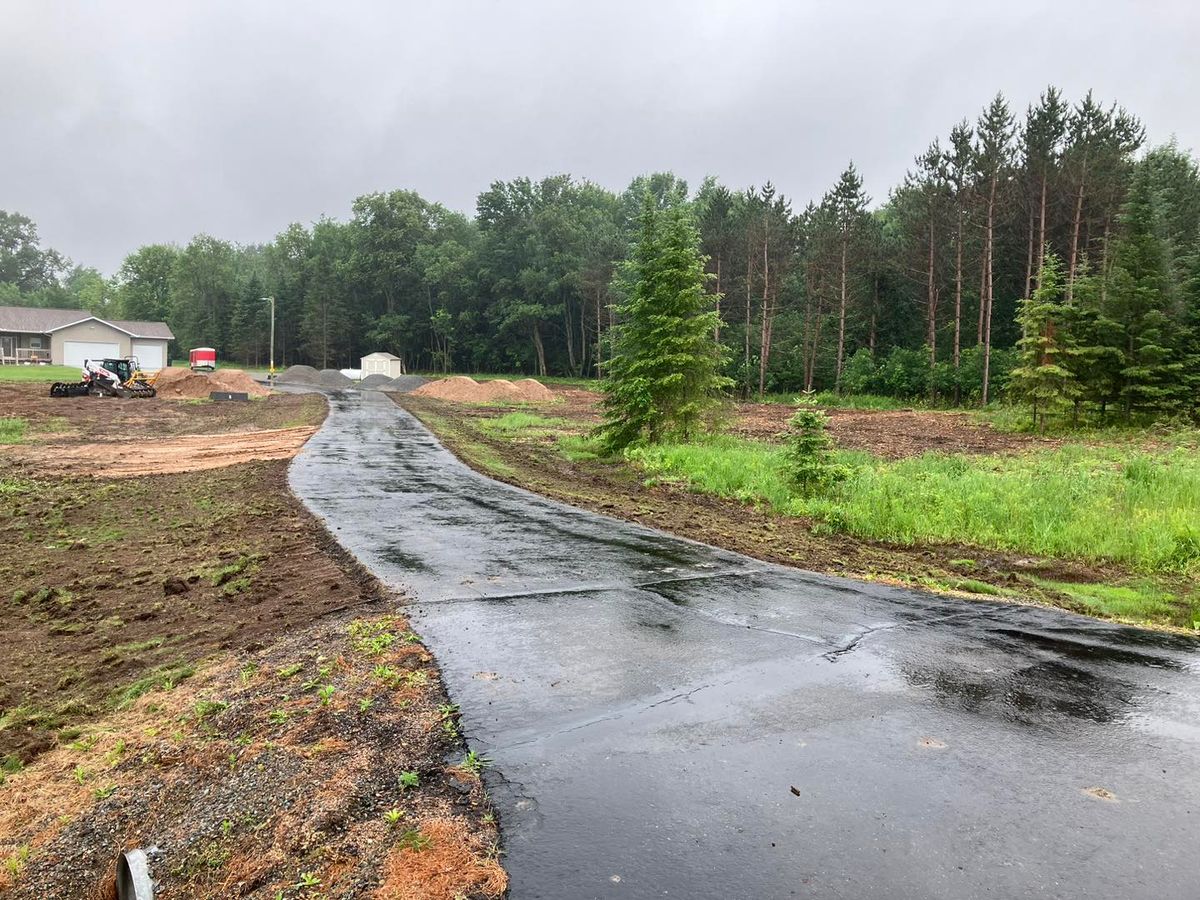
(271, 371)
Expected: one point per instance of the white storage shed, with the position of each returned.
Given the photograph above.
(382, 364)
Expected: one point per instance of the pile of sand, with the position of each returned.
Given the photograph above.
(178, 383)
(402, 384)
(332, 378)
(372, 382)
(299, 375)
(462, 389)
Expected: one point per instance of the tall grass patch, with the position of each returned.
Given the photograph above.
(12, 430)
(1137, 508)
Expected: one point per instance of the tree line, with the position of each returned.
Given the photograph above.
(926, 294)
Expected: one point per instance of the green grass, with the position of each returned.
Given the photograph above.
(1140, 599)
(1135, 508)
(521, 423)
(37, 374)
(12, 430)
(830, 400)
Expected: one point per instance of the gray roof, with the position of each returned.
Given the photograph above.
(32, 320)
(143, 329)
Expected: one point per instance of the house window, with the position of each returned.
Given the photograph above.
(35, 342)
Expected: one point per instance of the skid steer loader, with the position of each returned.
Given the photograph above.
(109, 378)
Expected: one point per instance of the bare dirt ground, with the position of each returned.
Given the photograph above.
(185, 453)
(891, 434)
(616, 489)
(63, 420)
(189, 660)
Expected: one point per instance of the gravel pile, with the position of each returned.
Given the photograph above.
(332, 378)
(402, 384)
(300, 375)
(374, 382)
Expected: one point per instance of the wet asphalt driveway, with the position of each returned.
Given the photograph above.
(670, 720)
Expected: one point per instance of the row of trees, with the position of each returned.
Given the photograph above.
(918, 296)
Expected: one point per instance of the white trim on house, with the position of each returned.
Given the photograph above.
(90, 319)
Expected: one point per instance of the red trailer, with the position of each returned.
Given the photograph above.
(203, 359)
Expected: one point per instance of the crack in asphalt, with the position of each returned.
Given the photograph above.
(596, 587)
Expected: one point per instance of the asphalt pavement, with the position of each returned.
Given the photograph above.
(667, 719)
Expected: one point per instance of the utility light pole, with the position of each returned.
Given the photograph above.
(271, 371)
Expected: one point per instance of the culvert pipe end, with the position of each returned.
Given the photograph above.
(133, 876)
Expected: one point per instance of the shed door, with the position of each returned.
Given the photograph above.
(75, 352)
(149, 354)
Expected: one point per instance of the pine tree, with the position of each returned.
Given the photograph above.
(664, 373)
(1044, 379)
(1150, 373)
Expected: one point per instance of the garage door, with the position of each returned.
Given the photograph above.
(75, 352)
(149, 355)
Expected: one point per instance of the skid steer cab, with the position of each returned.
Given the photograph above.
(108, 378)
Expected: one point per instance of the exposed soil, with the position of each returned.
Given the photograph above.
(113, 421)
(274, 772)
(186, 453)
(178, 669)
(891, 434)
(177, 383)
(618, 490)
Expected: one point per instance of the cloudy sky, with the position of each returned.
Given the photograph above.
(123, 123)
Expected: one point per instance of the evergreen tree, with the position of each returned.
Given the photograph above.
(1044, 378)
(1150, 373)
(664, 373)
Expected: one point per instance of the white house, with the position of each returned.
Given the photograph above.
(66, 337)
(382, 364)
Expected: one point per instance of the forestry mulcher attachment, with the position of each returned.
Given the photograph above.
(108, 378)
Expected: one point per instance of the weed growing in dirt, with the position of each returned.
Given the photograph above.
(104, 792)
(15, 863)
(205, 709)
(474, 763)
(163, 677)
(326, 692)
(372, 638)
(289, 670)
(387, 674)
(393, 815)
(409, 780)
(308, 880)
(277, 716)
(365, 704)
(413, 840)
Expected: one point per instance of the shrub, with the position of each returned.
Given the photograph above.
(809, 462)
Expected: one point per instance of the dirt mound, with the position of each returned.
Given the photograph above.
(374, 382)
(462, 389)
(533, 390)
(299, 375)
(178, 383)
(332, 378)
(402, 384)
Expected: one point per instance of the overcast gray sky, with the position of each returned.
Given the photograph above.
(124, 123)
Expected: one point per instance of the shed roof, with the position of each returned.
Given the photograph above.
(379, 354)
(34, 320)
